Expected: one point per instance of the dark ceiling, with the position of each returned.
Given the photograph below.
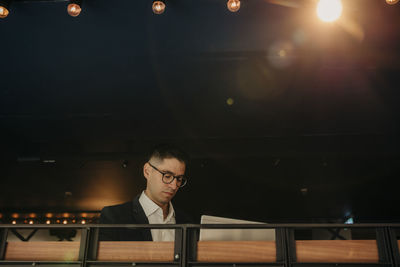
(286, 118)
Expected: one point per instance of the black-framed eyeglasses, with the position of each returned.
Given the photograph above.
(168, 177)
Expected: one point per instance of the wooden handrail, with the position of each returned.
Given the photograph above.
(42, 251)
(341, 251)
(136, 251)
(236, 251)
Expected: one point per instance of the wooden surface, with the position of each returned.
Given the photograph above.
(363, 251)
(135, 251)
(42, 251)
(236, 251)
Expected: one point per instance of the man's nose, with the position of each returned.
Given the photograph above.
(173, 184)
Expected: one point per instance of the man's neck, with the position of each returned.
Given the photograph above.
(165, 210)
(164, 207)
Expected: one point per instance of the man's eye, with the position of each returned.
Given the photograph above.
(168, 176)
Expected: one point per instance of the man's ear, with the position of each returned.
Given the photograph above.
(146, 170)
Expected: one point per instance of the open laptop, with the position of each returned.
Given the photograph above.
(233, 234)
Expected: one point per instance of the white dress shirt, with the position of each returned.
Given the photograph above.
(154, 214)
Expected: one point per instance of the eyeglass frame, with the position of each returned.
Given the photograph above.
(184, 179)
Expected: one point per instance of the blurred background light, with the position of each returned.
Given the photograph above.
(329, 10)
(158, 7)
(233, 5)
(74, 8)
(392, 2)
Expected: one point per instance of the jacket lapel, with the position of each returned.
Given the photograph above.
(139, 217)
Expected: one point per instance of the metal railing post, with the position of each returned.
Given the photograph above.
(83, 246)
(3, 242)
(394, 246)
(382, 243)
(281, 251)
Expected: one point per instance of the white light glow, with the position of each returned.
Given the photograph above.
(392, 2)
(329, 10)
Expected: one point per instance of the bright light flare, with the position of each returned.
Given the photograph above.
(392, 2)
(329, 10)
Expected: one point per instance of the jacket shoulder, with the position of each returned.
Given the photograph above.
(116, 214)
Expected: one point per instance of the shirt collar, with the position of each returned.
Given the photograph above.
(149, 207)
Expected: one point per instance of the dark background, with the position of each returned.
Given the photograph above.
(312, 133)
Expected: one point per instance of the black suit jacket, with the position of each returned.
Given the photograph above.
(130, 213)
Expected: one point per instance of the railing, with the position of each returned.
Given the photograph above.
(288, 248)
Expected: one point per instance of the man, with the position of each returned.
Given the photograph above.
(165, 174)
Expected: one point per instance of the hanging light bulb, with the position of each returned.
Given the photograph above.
(74, 8)
(392, 2)
(158, 7)
(4, 9)
(233, 5)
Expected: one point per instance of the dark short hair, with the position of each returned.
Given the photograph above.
(167, 151)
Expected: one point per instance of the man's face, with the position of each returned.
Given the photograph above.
(157, 190)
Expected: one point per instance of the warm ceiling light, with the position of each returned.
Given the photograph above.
(14, 222)
(74, 8)
(392, 2)
(65, 222)
(3, 12)
(4, 8)
(158, 7)
(233, 5)
(48, 222)
(329, 10)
